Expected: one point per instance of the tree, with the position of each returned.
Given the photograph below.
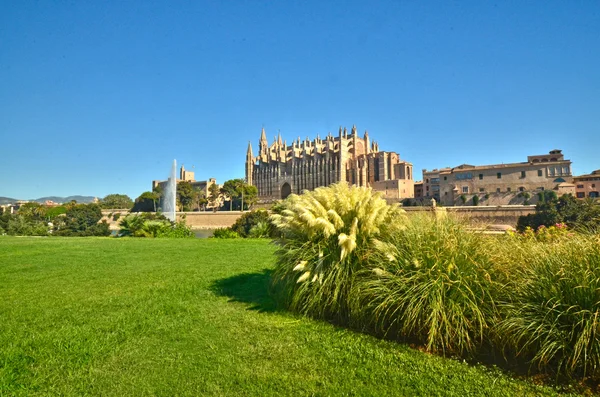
(83, 220)
(200, 199)
(146, 202)
(214, 194)
(250, 196)
(232, 189)
(240, 193)
(116, 201)
(186, 195)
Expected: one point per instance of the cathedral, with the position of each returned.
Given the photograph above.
(279, 170)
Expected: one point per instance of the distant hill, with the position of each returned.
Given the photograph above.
(56, 199)
(7, 200)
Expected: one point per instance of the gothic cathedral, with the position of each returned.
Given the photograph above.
(279, 170)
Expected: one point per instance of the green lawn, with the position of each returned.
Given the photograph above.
(94, 316)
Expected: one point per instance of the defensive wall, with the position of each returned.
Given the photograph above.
(480, 215)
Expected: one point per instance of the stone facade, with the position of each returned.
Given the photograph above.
(539, 172)
(188, 176)
(587, 185)
(280, 169)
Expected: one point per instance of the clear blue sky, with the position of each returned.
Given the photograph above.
(99, 97)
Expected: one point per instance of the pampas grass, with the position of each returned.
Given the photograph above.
(326, 235)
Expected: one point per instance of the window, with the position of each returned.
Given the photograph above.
(465, 189)
(445, 178)
(499, 175)
(580, 194)
(508, 189)
(593, 185)
(579, 186)
(540, 173)
(498, 190)
(521, 189)
(445, 193)
(481, 190)
(427, 180)
(427, 188)
(523, 174)
(593, 194)
(551, 171)
(480, 176)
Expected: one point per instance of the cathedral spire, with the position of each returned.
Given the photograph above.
(249, 151)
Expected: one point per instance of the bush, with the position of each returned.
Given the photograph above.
(152, 225)
(225, 232)
(81, 220)
(244, 224)
(430, 282)
(116, 216)
(576, 214)
(19, 225)
(553, 316)
(463, 198)
(326, 235)
(476, 200)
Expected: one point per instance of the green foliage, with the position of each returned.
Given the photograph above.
(244, 224)
(116, 201)
(146, 202)
(553, 316)
(214, 194)
(53, 212)
(225, 232)
(152, 225)
(116, 216)
(487, 196)
(81, 220)
(21, 225)
(463, 198)
(261, 230)
(186, 195)
(476, 200)
(431, 282)
(576, 214)
(325, 236)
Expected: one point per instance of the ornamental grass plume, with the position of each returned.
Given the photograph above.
(552, 316)
(430, 282)
(325, 237)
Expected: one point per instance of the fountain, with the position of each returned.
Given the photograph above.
(169, 201)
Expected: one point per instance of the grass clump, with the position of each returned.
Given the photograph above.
(325, 237)
(430, 282)
(552, 316)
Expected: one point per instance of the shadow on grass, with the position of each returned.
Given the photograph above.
(251, 288)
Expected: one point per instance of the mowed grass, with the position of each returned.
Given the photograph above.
(116, 317)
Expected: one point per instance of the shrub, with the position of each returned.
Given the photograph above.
(82, 220)
(178, 230)
(260, 230)
(244, 224)
(463, 198)
(553, 318)
(430, 282)
(476, 200)
(19, 225)
(225, 232)
(326, 235)
(574, 213)
(116, 216)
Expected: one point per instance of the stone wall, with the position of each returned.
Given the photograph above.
(492, 215)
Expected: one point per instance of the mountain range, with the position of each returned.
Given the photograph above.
(56, 199)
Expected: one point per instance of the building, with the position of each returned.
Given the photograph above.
(587, 185)
(188, 176)
(280, 169)
(419, 189)
(539, 172)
